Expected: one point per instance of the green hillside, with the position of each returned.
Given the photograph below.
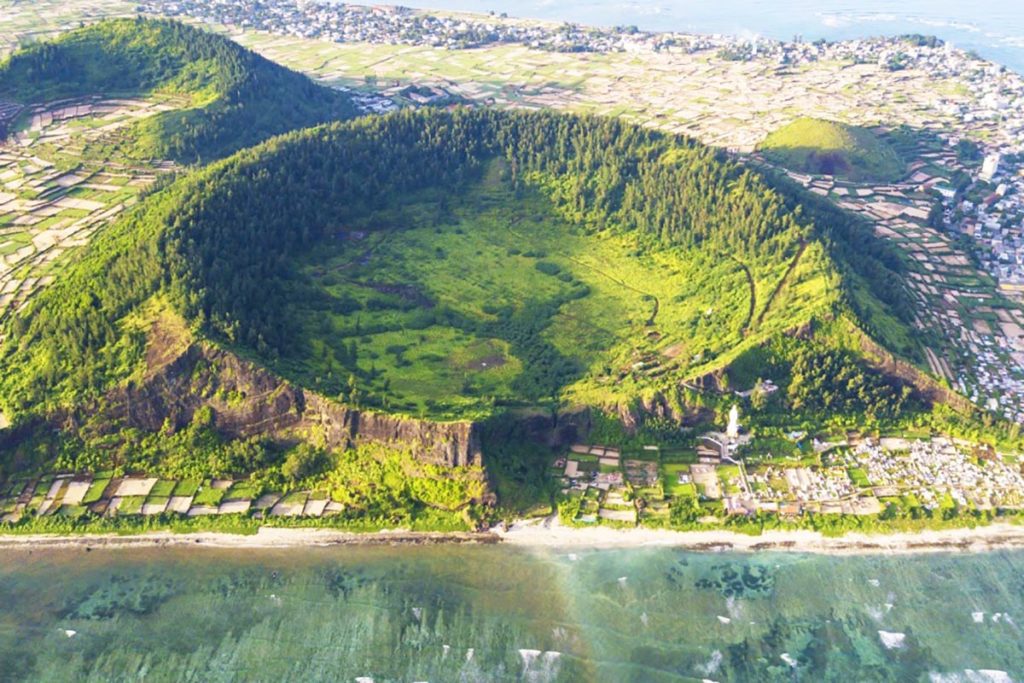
(450, 265)
(235, 98)
(820, 147)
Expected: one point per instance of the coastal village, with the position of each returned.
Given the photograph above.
(724, 475)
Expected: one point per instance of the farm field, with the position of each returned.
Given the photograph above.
(61, 180)
(24, 21)
(728, 104)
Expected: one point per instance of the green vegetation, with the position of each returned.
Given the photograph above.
(235, 98)
(821, 147)
(449, 265)
(207, 496)
(374, 486)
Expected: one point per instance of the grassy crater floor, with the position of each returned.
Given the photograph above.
(450, 305)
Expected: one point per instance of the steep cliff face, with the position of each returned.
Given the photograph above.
(443, 443)
(632, 415)
(247, 400)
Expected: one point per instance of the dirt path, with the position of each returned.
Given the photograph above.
(782, 283)
(745, 327)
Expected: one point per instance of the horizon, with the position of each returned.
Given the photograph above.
(991, 28)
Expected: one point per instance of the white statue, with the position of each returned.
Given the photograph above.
(733, 430)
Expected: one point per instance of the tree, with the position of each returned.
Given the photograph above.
(302, 461)
(759, 396)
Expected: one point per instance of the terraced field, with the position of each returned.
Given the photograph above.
(61, 181)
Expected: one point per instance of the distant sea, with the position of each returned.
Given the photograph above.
(993, 28)
(496, 614)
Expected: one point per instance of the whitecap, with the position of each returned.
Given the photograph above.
(417, 612)
(988, 676)
(643, 619)
(875, 582)
(788, 659)
(622, 580)
(891, 640)
(364, 679)
(573, 557)
(724, 620)
(70, 633)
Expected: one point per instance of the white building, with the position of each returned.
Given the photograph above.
(990, 167)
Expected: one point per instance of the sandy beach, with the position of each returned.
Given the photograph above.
(266, 537)
(548, 534)
(552, 535)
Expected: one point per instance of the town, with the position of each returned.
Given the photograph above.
(729, 474)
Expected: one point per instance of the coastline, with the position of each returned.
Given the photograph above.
(543, 534)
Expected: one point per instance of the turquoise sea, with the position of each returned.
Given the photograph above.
(994, 28)
(494, 613)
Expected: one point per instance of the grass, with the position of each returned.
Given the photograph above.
(497, 300)
(295, 498)
(670, 480)
(163, 489)
(207, 495)
(822, 147)
(95, 491)
(243, 490)
(131, 505)
(187, 487)
(859, 477)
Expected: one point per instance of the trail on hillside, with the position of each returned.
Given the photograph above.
(782, 283)
(745, 327)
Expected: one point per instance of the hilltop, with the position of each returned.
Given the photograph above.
(821, 147)
(451, 265)
(233, 97)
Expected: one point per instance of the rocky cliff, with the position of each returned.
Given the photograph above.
(247, 400)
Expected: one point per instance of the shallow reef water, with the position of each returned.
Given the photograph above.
(494, 613)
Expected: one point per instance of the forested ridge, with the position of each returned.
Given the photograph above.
(236, 98)
(221, 243)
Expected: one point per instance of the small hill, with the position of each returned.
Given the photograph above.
(829, 148)
(235, 98)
